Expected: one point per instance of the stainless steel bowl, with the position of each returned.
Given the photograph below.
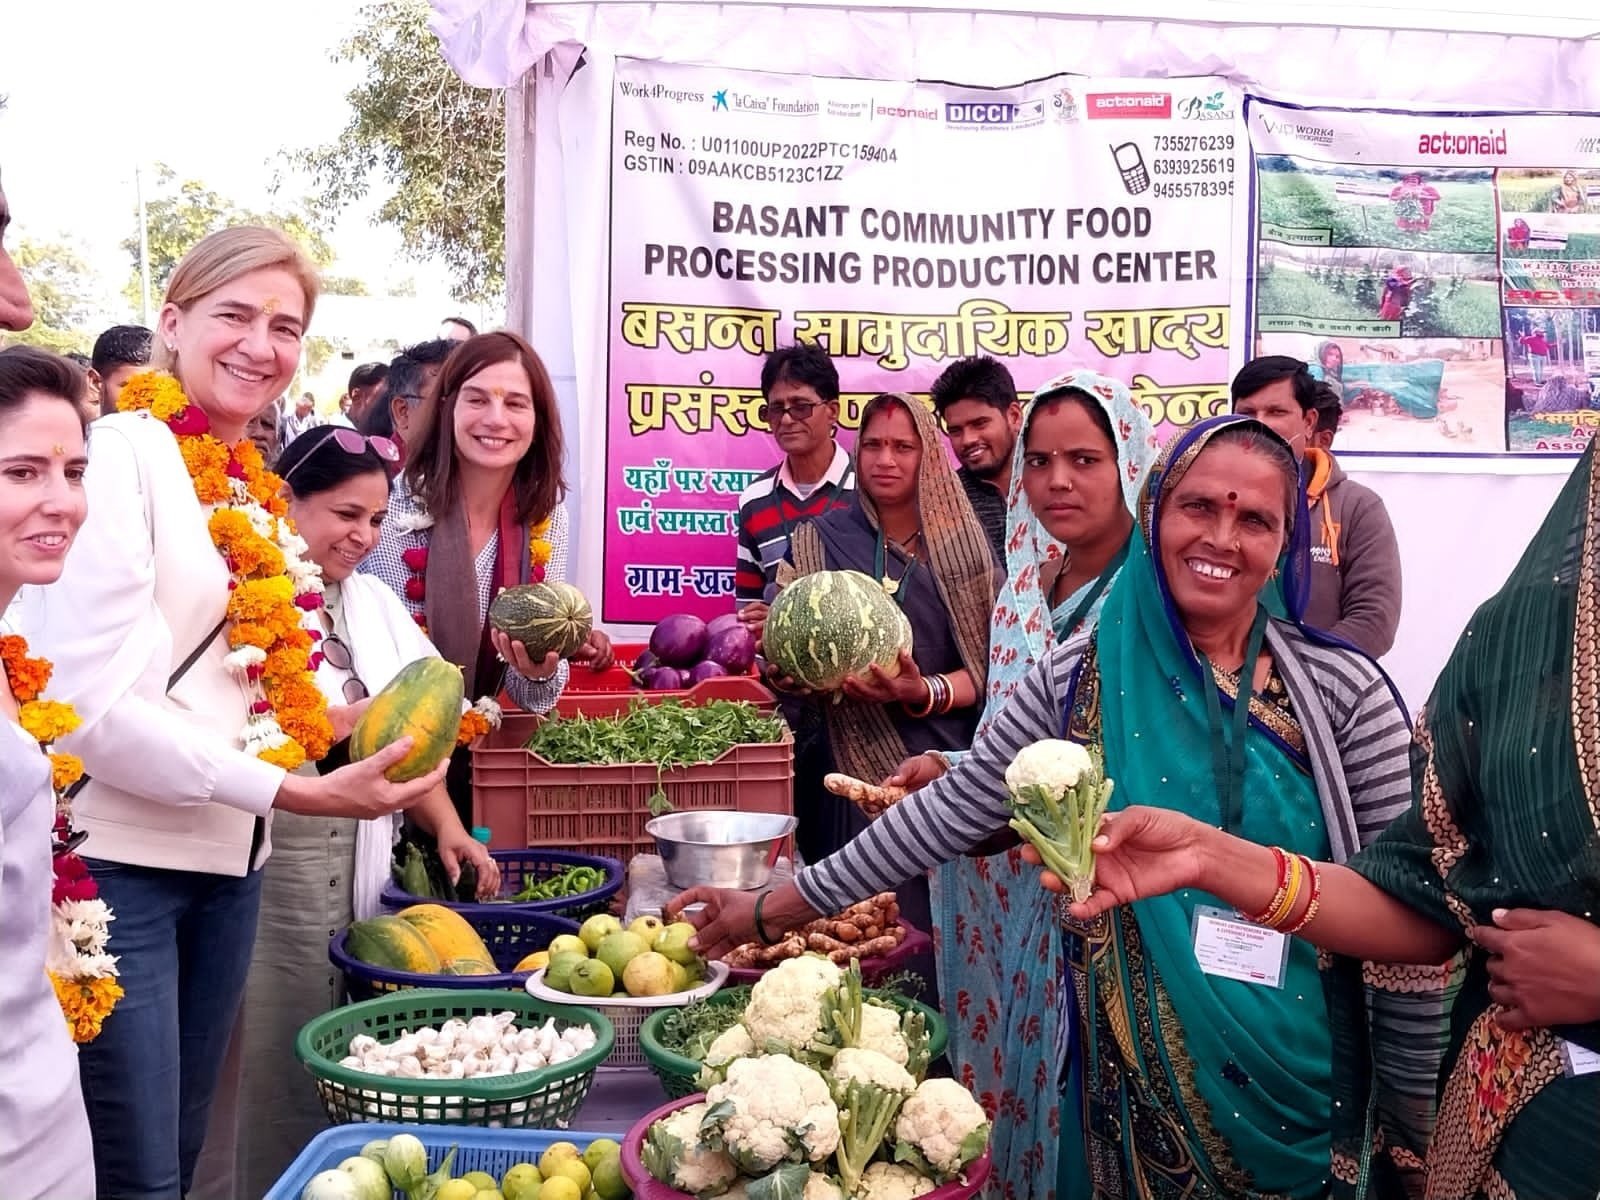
(718, 848)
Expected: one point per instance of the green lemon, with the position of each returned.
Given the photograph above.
(608, 1181)
(521, 1182)
(481, 1180)
(597, 1151)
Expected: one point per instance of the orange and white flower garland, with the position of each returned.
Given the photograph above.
(273, 584)
(83, 974)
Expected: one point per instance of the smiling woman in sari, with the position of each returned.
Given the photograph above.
(1500, 853)
(1192, 1083)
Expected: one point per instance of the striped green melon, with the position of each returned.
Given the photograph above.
(826, 627)
(544, 617)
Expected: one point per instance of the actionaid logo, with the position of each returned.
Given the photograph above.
(1488, 144)
(1123, 105)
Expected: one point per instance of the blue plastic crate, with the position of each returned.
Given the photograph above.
(492, 1151)
(516, 866)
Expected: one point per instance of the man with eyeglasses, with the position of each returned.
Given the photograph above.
(800, 394)
(410, 375)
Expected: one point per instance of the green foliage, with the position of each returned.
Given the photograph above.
(439, 142)
(59, 281)
(1472, 310)
(181, 212)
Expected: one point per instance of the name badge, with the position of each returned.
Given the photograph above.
(1580, 1060)
(1229, 947)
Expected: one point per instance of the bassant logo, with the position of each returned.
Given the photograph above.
(1479, 145)
(1205, 108)
(1155, 106)
(660, 91)
(1064, 105)
(1312, 135)
(992, 114)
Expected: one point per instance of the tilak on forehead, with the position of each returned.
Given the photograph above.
(271, 305)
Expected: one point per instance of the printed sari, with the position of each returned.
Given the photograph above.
(1507, 815)
(1000, 954)
(1191, 1084)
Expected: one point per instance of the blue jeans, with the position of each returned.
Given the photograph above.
(183, 940)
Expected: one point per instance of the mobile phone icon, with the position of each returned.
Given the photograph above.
(1130, 165)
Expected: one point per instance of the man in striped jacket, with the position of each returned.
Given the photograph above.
(800, 393)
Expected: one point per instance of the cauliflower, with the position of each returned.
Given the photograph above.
(678, 1155)
(1058, 795)
(1051, 764)
(941, 1129)
(772, 1110)
(870, 1089)
(892, 1181)
(786, 1004)
(733, 1042)
(820, 1187)
(880, 1031)
(873, 1068)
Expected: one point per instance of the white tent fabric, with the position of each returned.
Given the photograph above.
(1460, 531)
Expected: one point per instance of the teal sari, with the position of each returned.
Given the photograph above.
(1191, 1084)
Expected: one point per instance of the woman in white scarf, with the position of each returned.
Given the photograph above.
(324, 871)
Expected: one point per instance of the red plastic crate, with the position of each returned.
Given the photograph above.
(583, 685)
(528, 801)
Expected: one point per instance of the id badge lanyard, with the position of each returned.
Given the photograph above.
(1228, 741)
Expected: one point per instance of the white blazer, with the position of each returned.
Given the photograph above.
(143, 584)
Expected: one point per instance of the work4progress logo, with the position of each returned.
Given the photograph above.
(1213, 107)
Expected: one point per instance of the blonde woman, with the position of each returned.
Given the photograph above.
(175, 631)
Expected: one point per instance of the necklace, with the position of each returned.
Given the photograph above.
(272, 585)
(880, 565)
(83, 975)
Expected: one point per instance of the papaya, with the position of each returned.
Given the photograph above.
(392, 944)
(422, 702)
(468, 966)
(447, 932)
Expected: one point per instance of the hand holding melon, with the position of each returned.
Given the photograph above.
(543, 619)
(831, 626)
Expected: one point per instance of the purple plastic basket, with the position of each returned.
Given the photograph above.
(510, 936)
(515, 867)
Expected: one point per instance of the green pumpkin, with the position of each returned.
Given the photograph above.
(829, 626)
(543, 617)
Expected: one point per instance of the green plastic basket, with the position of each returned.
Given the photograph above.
(542, 1099)
(678, 1072)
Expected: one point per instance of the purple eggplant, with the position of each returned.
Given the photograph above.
(663, 679)
(733, 649)
(726, 621)
(680, 640)
(703, 671)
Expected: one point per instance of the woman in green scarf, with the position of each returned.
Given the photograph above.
(1499, 855)
(1195, 1078)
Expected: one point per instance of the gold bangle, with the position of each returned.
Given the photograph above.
(1282, 862)
(1316, 897)
(1291, 894)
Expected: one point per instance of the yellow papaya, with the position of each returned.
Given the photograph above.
(422, 702)
(392, 944)
(468, 966)
(447, 931)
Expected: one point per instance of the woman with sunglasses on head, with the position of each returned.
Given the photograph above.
(178, 634)
(479, 509)
(327, 871)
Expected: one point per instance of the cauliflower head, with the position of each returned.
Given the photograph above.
(677, 1154)
(733, 1042)
(1052, 764)
(892, 1181)
(872, 1067)
(771, 1110)
(880, 1031)
(820, 1187)
(942, 1126)
(786, 1003)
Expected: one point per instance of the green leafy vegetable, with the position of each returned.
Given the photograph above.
(690, 1030)
(668, 734)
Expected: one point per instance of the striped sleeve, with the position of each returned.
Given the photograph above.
(954, 813)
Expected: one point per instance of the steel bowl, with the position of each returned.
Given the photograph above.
(719, 848)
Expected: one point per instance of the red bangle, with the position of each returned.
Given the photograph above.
(1261, 917)
(1316, 895)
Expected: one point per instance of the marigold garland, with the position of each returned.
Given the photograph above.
(273, 586)
(81, 972)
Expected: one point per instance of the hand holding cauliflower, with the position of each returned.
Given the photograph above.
(1058, 795)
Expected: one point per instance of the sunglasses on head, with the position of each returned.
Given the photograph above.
(350, 442)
